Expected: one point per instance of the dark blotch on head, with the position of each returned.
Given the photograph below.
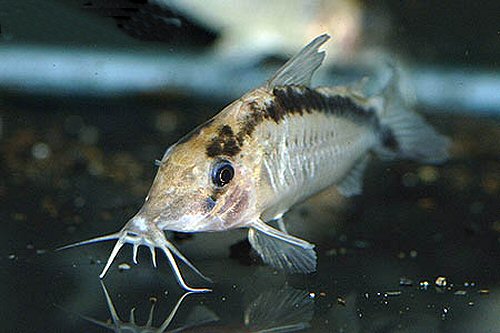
(254, 118)
(225, 143)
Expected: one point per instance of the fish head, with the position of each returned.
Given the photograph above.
(207, 181)
(203, 184)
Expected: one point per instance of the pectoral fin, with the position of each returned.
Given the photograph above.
(281, 250)
(352, 184)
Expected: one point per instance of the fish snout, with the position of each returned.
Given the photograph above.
(139, 231)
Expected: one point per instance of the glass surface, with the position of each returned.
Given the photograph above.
(86, 108)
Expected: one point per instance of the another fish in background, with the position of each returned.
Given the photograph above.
(252, 29)
(274, 147)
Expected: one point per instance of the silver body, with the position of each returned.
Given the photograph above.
(307, 153)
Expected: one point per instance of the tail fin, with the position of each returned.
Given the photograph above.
(404, 133)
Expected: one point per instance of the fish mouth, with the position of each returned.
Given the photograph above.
(137, 233)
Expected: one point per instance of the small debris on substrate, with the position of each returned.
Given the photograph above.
(424, 284)
(445, 312)
(484, 291)
(405, 282)
(441, 281)
(30, 251)
(457, 294)
(392, 293)
(313, 294)
(31, 247)
(383, 297)
(123, 267)
(336, 251)
(50, 161)
(469, 284)
(411, 254)
(442, 285)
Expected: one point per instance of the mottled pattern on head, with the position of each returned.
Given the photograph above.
(225, 143)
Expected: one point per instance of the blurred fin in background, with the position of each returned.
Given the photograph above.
(244, 28)
(148, 21)
(252, 28)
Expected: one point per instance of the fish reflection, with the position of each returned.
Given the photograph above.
(199, 316)
(282, 310)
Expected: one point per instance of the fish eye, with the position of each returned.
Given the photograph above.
(222, 173)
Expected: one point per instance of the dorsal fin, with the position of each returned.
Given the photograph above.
(299, 69)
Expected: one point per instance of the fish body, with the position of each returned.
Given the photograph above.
(274, 147)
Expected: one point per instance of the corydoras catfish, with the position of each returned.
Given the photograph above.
(274, 147)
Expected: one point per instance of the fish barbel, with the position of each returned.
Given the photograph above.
(274, 147)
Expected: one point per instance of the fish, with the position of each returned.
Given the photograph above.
(274, 147)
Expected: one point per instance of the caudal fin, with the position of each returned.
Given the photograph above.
(404, 133)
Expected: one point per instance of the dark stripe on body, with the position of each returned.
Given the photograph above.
(296, 100)
(253, 119)
(291, 100)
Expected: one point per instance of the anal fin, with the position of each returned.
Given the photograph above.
(352, 184)
(282, 251)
